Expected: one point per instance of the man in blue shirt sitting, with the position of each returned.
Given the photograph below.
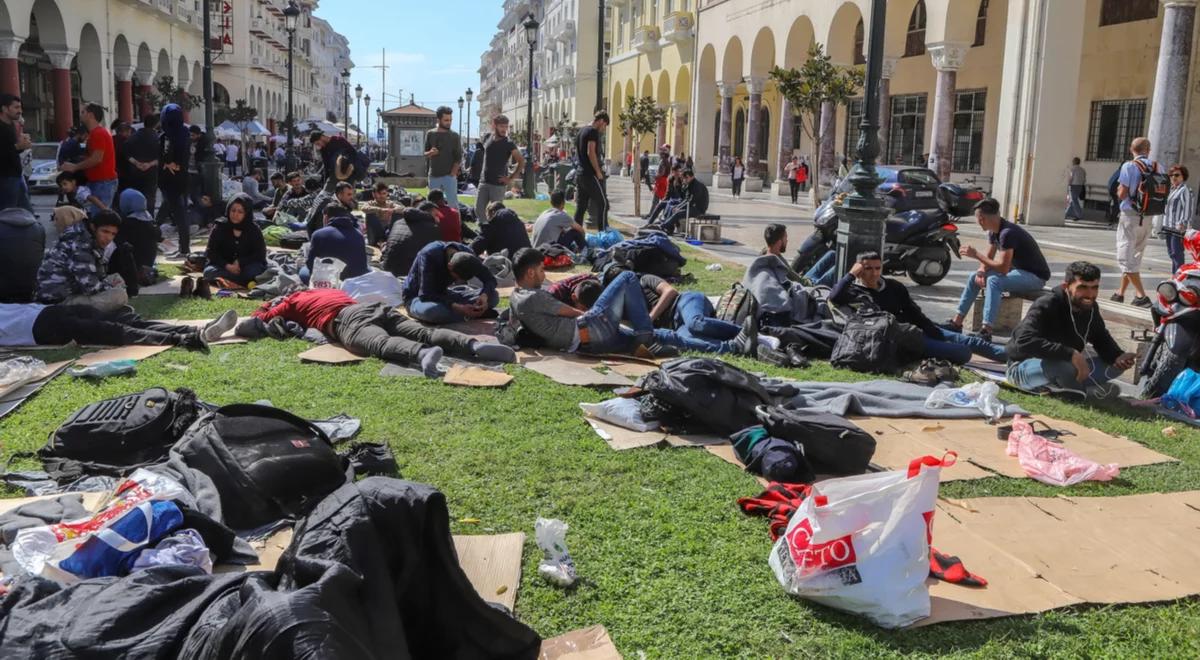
(437, 291)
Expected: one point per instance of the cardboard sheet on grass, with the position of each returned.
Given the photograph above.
(1043, 553)
(586, 370)
(163, 288)
(120, 353)
(981, 453)
(15, 394)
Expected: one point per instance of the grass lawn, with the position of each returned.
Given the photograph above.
(666, 561)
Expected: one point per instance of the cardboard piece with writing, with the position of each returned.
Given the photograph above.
(120, 353)
(330, 354)
(621, 438)
(591, 643)
(472, 376)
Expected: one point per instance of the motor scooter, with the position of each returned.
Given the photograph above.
(1176, 314)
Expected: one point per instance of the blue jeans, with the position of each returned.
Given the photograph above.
(621, 299)
(440, 312)
(104, 191)
(957, 347)
(1074, 205)
(1017, 281)
(822, 273)
(448, 185)
(1035, 373)
(14, 193)
(1175, 250)
(696, 327)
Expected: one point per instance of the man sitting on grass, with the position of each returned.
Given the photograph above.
(503, 230)
(556, 227)
(436, 290)
(372, 329)
(75, 270)
(1046, 352)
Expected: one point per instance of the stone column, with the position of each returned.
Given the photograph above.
(829, 164)
(754, 168)
(724, 138)
(885, 109)
(1171, 83)
(124, 75)
(144, 106)
(10, 81)
(787, 147)
(679, 112)
(660, 134)
(60, 61)
(947, 60)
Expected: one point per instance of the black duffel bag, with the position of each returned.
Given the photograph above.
(832, 444)
(704, 395)
(266, 463)
(115, 436)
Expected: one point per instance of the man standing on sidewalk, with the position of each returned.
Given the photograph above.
(13, 191)
(494, 180)
(100, 166)
(443, 150)
(590, 195)
(1133, 227)
(1076, 182)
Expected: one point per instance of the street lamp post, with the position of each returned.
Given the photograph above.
(367, 108)
(861, 214)
(469, 94)
(290, 16)
(379, 124)
(210, 169)
(531, 34)
(346, 102)
(358, 113)
(460, 117)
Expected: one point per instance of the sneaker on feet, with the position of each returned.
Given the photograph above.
(1116, 297)
(985, 333)
(945, 371)
(797, 357)
(746, 340)
(194, 341)
(656, 351)
(1141, 301)
(224, 323)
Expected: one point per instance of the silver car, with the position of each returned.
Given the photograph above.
(43, 166)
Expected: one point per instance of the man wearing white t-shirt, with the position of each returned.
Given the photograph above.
(231, 158)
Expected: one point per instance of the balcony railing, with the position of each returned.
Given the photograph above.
(165, 6)
(564, 31)
(645, 39)
(259, 25)
(679, 27)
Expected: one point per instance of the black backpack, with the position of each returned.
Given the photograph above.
(831, 444)
(705, 395)
(1152, 190)
(735, 304)
(868, 342)
(115, 436)
(266, 463)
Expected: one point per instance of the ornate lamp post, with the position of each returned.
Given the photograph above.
(346, 101)
(290, 16)
(460, 117)
(531, 36)
(357, 114)
(367, 108)
(861, 214)
(469, 94)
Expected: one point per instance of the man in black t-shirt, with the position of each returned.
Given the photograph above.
(1013, 262)
(13, 191)
(494, 179)
(141, 158)
(590, 196)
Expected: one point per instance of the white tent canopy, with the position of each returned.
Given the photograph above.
(230, 130)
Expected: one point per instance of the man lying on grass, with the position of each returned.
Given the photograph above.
(55, 325)
(598, 329)
(368, 329)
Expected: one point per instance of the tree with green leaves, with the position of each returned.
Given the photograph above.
(816, 82)
(168, 92)
(242, 114)
(640, 118)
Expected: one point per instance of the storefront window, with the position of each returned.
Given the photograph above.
(906, 141)
(968, 130)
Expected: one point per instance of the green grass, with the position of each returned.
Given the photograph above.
(666, 561)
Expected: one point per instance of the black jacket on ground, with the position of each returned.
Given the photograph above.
(225, 248)
(505, 231)
(371, 573)
(1052, 330)
(411, 230)
(893, 298)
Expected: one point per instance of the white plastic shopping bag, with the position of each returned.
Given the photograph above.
(326, 273)
(375, 286)
(861, 544)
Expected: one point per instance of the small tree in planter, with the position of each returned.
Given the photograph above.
(640, 118)
(242, 114)
(815, 83)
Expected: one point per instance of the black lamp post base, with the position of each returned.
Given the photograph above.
(860, 229)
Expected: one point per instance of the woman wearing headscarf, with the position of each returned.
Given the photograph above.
(237, 251)
(175, 145)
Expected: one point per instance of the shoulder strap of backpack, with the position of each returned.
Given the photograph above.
(253, 409)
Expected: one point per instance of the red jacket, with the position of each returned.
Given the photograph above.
(449, 222)
(660, 186)
(311, 308)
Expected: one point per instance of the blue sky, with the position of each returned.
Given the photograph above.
(433, 48)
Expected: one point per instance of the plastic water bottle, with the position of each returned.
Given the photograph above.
(105, 369)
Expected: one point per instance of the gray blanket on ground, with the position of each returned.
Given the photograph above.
(878, 398)
(767, 279)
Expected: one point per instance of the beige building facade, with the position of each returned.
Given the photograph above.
(568, 48)
(1001, 93)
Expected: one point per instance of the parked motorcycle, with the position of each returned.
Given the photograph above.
(1176, 314)
(919, 243)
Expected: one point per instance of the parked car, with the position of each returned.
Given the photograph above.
(43, 166)
(916, 187)
(652, 168)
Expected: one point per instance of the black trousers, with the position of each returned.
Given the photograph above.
(375, 329)
(590, 198)
(737, 187)
(175, 208)
(62, 324)
(795, 186)
(143, 239)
